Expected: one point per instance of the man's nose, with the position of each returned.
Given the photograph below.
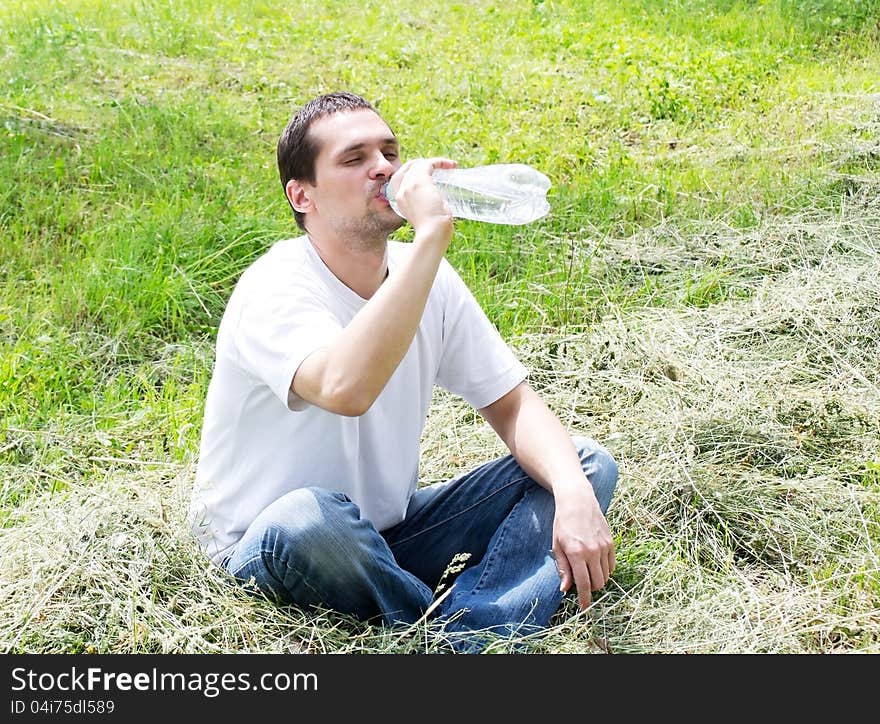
(382, 167)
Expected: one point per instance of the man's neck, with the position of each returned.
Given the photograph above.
(362, 269)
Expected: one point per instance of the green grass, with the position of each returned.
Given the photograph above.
(702, 294)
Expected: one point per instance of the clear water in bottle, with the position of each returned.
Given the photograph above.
(503, 193)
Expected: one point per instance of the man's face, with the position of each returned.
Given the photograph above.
(358, 153)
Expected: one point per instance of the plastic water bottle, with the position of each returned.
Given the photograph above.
(502, 193)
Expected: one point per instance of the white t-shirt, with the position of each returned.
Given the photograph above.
(260, 441)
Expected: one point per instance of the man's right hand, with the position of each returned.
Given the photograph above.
(420, 200)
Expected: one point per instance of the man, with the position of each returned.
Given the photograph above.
(327, 355)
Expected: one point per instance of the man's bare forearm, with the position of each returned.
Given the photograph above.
(348, 376)
(536, 439)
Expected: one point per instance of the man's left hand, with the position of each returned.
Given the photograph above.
(582, 542)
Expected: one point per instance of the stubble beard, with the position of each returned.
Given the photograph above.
(370, 233)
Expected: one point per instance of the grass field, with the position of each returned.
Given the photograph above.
(703, 296)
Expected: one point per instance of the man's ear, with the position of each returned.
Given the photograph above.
(299, 197)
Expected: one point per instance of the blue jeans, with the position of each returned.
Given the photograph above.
(311, 547)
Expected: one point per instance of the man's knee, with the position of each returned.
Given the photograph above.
(599, 466)
(313, 538)
(307, 519)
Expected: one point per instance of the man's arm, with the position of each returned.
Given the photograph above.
(347, 376)
(582, 541)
